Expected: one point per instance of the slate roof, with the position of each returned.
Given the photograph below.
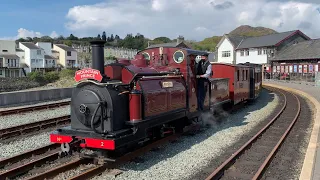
(10, 56)
(30, 45)
(19, 50)
(267, 40)
(49, 57)
(65, 47)
(235, 40)
(303, 50)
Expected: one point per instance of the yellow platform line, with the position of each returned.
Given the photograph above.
(309, 160)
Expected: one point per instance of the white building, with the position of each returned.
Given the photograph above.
(68, 57)
(50, 60)
(33, 56)
(259, 50)
(226, 48)
(9, 61)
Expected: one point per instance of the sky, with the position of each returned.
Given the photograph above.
(193, 19)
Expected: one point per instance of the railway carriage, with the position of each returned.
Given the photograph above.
(239, 80)
(123, 104)
(255, 73)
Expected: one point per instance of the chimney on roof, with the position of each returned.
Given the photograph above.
(180, 39)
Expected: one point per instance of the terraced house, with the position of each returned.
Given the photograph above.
(260, 50)
(68, 57)
(9, 61)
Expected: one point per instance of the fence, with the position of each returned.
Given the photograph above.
(308, 78)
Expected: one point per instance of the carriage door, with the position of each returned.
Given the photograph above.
(252, 82)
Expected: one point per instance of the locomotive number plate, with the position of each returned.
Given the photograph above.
(167, 84)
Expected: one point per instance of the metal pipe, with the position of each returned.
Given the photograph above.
(98, 55)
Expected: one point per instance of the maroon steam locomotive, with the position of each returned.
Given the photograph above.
(125, 103)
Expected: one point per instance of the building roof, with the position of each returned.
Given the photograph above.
(19, 50)
(303, 50)
(235, 40)
(268, 40)
(65, 47)
(30, 45)
(49, 57)
(10, 56)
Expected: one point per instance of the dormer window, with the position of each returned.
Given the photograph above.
(38, 52)
(68, 53)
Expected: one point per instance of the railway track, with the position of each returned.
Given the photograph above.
(253, 158)
(31, 127)
(33, 108)
(21, 164)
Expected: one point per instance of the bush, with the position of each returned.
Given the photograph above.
(50, 77)
(36, 76)
(67, 73)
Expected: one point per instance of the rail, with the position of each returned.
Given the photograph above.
(287, 107)
(33, 108)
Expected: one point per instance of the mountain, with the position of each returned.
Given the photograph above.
(210, 43)
(246, 30)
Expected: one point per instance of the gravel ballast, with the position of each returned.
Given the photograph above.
(34, 116)
(23, 145)
(23, 105)
(192, 154)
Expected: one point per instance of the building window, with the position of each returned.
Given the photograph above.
(46, 61)
(4, 50)
(38, 52)
(264, 51)
(68, 53)
(247, 52)
(259, 51)
(32, 60)
(242, 53)
(0, 72)
(8, 62)
(226, 54)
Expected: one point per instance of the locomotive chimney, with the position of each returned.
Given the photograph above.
(98, 55)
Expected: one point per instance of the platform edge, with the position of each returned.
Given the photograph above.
(310, 155)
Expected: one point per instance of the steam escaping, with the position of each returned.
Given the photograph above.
(215, 116)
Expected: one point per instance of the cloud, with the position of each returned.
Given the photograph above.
(221, 5)
(23, 33)
(305, 25)
(194, 19)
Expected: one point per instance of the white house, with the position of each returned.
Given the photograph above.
(33, 56)
(50, 60)
(258, 49)
(68, 57)
(9, 61)
(226, 48)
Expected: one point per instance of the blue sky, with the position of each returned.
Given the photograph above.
(194, 19)
(38, 15)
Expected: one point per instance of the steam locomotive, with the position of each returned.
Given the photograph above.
(129, 102)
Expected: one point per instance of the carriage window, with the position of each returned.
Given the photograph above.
(146, 55)
(238, 75)
(243, 75)
(178, 57)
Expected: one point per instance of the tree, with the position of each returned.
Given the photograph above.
(104, 37)
(72, 37)
(112, 38)
(162, 39)
(68, 42)
(29, 39)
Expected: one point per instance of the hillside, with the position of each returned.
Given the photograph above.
(244, 30)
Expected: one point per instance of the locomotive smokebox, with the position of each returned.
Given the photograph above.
(98, 55)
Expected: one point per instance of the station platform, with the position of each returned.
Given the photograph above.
(311, 164)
